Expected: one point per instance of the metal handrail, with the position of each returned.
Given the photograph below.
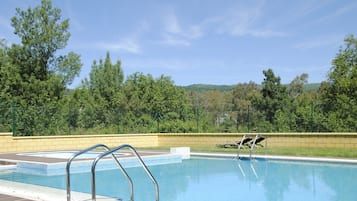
(258, 137)
(240, 145)
(252, 146)
(137, 156)
(68, 179)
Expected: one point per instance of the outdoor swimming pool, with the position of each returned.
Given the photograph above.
(218, 179)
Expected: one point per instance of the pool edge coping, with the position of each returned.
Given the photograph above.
(278, 157)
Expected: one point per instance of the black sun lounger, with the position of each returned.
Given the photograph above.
(257, 141)
(244, 142)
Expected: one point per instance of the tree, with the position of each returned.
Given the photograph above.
(243, 96)
(216, 106)
(157, 101)
(35, 63)
(35, 75)
(106, 79)
(296, 87)
(5, 106)
(274, 99)
(105, 85)
(4, 74)
(42, 34)
(339, 93)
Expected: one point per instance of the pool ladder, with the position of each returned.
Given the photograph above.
(241, 143)
(252, 145)
(109, 152)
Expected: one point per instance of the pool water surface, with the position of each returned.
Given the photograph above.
(216, 179)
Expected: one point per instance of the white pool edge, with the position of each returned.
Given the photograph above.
(278, 157)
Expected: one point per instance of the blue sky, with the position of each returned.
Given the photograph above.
(204, 41)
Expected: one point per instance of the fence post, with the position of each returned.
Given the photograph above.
(13, 118)
(118, 118)
(69, 117)
(248, 123)
(197, 119)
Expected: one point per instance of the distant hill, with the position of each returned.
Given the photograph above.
(227, 88)
(312, 87)
(208, 87)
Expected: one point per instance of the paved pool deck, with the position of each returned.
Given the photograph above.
(12, 198)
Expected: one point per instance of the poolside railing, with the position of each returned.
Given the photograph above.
(68, 167)
(137, 156)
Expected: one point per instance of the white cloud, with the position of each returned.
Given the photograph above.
(239, 20)
(172, 25)
(176, 34)
(266, 33)
(244, 19)
(166, 65)
(73, 20)
(171, 40)
(322, 41)
(346, 8)
(130, 44)
(127, 45)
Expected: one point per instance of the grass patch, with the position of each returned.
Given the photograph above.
(287, 151)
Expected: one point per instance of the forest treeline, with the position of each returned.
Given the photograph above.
(35, 98)
(229, 88)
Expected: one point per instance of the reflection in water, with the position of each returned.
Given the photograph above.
(221, 180)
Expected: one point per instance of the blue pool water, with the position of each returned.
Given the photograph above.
(211, 179)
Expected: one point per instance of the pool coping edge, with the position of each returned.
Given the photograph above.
(278, 157)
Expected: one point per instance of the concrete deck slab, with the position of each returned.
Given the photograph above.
(40, 193)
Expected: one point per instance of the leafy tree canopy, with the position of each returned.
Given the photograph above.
(42, 34)
(339, 93)
(274, 95)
